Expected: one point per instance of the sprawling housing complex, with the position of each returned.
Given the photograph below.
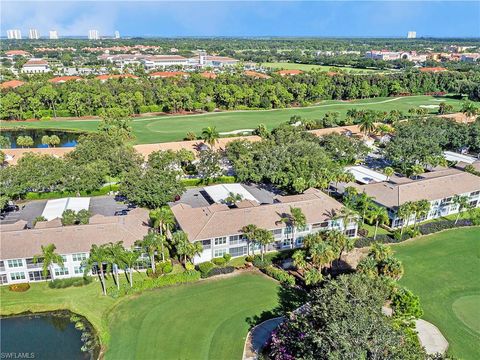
(219, 227)
(437, 187)
(19, 244)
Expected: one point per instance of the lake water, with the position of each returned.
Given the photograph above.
(67, 139)
(45, 336)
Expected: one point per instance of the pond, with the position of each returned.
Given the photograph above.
(67, 138)
(42, 336)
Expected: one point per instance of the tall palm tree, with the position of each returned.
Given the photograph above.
(421, 208)
(264, 238)
(347, 214)
(129, 259)
(150, 244)
(98, 256)
(115, 252)
(379, 215)
(469, 109)
(296, 219)
(405, 212)
(48, 257)
(250, 234)
(364, 202)
(462, 203)
(339, 242)
(367, 124)
(184, 247)
(210, 135)
(163, 220)
(194, 249)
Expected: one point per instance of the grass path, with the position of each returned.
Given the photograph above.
(173, 128)
(443, 269)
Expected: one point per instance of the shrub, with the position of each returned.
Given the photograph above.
(261, 264)
(406, 304)
(205, 268)
(220, 271)
(65, 283)
(227, 257)
(150, 273)
(19, 287)
(280, 275)
(69, 217)
(189, 266)
(219, 261)
(249, 258)
(436, 226)
(165, 267)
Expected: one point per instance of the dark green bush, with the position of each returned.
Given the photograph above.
(205, 268)
(220, 271)
(261, 264)
(249, 258)
(219, 261)
(227, 257)
(280, 275)
(69, 282)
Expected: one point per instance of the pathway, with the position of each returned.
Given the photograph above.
(430, 337)
(258, 337)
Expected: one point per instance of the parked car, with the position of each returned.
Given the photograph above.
(121, 212)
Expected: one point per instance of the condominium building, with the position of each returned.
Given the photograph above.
(14, 34)
(33, 34)
(412, 35)
(35, 66)
(19, 245)
(219, 227)
(437, 187)
(117, 34)
(161, 61)
(93, 35)
(53, 34)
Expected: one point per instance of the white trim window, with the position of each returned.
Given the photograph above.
(61, 271)
(78, 270)
(219, 252)
(15, 263)
(220, 241)
(79, 256)
(17, 276)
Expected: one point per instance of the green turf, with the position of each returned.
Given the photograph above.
(308, 67)
(205, 320)
(443, 269)
(174, 128)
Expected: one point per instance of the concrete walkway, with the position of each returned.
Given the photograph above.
(257, 338)
(430, 337)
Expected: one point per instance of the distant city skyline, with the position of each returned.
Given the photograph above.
(267, 18)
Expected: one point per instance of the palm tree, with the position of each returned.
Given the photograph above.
(364, 202)
(462, 202)
(347, 214)
(48, 258)
(421, 207)
(184, 247)
(195, 248)
(339, 242)
(389, 172)
(469, 109)
(264, 238)
(98, 256)
(296, 219)
(150, 244)
(367, 124)
(250, 234)
(163, 220)
(115, 252)
(368, 266)
(391, 267)
(129, 259)
(405, 212)
(210, 135)
(379, 215)
(322, 254)
(379, 252)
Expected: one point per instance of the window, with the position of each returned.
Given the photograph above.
(299, 240)
(286, 243)
(78, 270)
(2, 265)
(219, 252)
(350, 232)
(15, 263)
(303, 228)
(37, 275)
(220, 240)
(206, 244)
(238, 251)
(3, 279)
(17, 276)
(61, 271)
(64, 258)
(79, 256)
(236, 239)
(475, 193)
(277, 232)
(473, 203)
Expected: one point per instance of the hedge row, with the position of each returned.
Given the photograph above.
(152, 283)
(61, 194)
(280, 275)
(220, 270)
(217, 180)
(65, 283)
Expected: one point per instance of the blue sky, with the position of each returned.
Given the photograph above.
(246, 18)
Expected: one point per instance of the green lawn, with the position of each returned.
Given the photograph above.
(207, 319)
(197, 321)
(308, 67)
(174, 128)
(444, 270)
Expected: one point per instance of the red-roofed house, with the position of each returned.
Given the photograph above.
(168, 74)
(209, 75)
(433, 69)
(35, 66)
(12, 53)
(289, 72)
(106, 77)
(63, 79)
(256, 75)
(11, 84)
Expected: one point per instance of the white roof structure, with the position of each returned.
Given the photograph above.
(364, 175)
(55, 208)
(219, 193)
(453, 156)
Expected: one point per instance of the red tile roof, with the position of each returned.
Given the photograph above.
(256, 75)
(289, 72)
(208, 75)
(106, 77)
(168, 74)
(432, 69)
(33, 62)
(62, 79)
(11, 84)
(17, 52)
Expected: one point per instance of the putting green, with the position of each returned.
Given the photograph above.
(467, 310)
